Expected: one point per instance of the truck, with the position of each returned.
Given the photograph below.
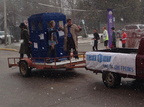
(117, 63)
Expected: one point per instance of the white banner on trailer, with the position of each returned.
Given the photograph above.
(115, 62)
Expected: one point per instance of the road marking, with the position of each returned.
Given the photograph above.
(7, 49)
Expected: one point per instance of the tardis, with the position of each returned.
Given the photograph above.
(38, 28)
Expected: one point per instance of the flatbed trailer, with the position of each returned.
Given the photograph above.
(27, 64)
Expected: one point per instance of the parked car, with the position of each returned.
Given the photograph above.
(133, 30)
(2, 37)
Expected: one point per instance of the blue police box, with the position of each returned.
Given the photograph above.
(38, 28)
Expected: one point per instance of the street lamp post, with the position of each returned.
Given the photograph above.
(5, 22)
(83, 22)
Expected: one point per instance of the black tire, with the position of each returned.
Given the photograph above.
(111, 80)
(24, 69)
(69, 69)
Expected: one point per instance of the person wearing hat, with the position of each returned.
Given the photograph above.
(113, 38)
(25, 43)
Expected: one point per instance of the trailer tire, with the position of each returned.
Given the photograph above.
(111, 80)
(24, 69)
(69, 69)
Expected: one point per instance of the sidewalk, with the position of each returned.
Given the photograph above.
(84, 40)
(12, 47)
(16, 46)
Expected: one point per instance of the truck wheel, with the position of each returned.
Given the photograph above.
(24, 69)
(111, 80)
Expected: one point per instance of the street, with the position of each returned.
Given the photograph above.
(61, 88)
(46, 29)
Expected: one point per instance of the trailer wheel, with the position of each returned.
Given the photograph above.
(24, 69)
(111, 80)
(69, 69)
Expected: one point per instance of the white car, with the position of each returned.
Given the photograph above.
(133, 30)
(2, 37)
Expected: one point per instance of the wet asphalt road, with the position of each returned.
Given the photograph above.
(60, 88)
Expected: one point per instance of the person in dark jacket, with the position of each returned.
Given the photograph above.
(25, 43)
(96, 38)
(113, 37)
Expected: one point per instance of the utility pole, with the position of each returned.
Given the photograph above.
(73, 13)
(61, 5)
(5, 22)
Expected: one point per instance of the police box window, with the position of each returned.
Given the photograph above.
(48, 26)
(61, 23)
(40, 27)
(33, 27)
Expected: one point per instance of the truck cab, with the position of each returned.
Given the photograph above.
(140, 60)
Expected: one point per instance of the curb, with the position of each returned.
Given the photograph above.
(8, 49)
